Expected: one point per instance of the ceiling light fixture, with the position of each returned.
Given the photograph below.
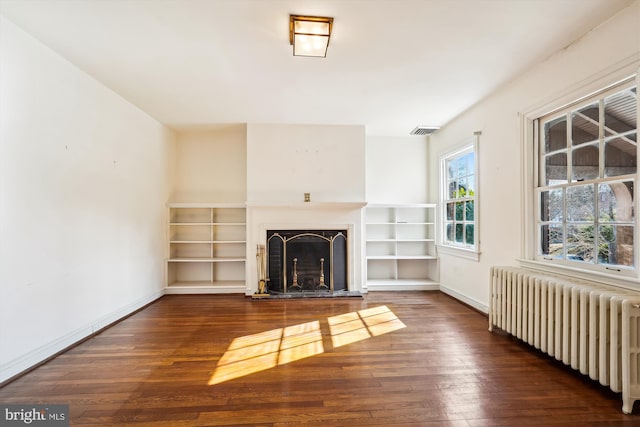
(309, 35)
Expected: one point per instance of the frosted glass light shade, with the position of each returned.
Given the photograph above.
(310, 35)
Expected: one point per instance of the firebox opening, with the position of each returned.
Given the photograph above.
(306, 261)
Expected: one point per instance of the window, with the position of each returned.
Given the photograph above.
(587, 170)
(459, 198)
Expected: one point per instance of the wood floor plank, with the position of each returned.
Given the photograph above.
(388, 359)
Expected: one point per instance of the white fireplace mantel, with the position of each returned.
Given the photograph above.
(319, 215)
(307, 205)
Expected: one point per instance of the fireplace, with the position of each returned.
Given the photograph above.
(288, 219)
(306, 261)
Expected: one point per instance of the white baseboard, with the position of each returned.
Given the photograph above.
(42, 353)
(465, 299)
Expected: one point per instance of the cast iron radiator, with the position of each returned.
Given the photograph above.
(593, 328)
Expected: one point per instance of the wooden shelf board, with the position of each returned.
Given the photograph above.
(401, 257)
(209, 223)
(206, 205)
(205, 287)
(208, 241)
(402, 285)
(223, 259)
(400, 240)
(422, 281)
(401, 206)
(208, 284)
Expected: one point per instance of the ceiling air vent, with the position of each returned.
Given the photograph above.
(424, 130)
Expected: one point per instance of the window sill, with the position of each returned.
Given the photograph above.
(469, 254)
(621, 281)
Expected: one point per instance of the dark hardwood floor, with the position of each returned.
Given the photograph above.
(388, 359)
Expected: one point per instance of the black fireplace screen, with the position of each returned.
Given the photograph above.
(306, 260)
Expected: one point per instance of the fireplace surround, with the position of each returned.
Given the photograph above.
(306, 261)
(315, 216)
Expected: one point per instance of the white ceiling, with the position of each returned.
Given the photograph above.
(391, 64)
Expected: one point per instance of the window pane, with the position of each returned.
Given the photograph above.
(459, 211)
(469, 163)
(620, 157)
(585, 124)
(451, 169)
(551, 238)
(453, 189)
(615, 245)
(615, 202)
(555, 135)
(450, 233)
(585, 163)
(459, 233)
(471, 185)
(469, 211)
(450, 210)
(580, 242)
(468, 234)
(462, 187)
(620, 113)
(462, 165)
(551, 205)
(555, 169)
(580, 203)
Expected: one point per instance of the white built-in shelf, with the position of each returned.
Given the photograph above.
(206, 248)
(400, 247)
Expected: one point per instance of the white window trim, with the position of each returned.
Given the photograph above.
(448, 249)
(609, 78)
(470, 254)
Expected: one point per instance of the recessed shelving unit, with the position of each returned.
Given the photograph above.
(206, 248)
(400, 247)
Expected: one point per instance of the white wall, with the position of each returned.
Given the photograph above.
(613, 45)
(286, 161)
(211, 165)
(84, 177)
(397, 169)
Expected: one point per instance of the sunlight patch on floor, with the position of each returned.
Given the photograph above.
(380, 321)
(357, 326)
(250, 354)
(300, 341)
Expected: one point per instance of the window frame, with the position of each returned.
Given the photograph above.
(606, 83)
(572, 183)
(445, 246)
